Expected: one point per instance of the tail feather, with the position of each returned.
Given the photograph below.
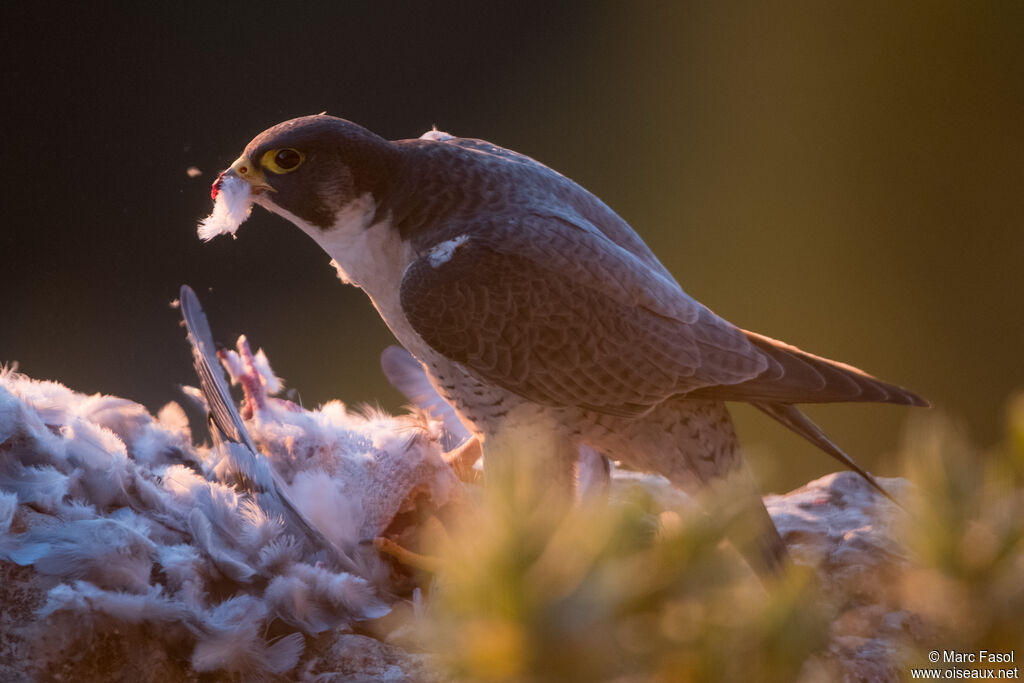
(791, 417)
(796, 376)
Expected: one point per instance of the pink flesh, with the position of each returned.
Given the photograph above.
(256, 398)
(216, 185)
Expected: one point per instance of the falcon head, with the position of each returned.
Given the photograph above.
(309, 170)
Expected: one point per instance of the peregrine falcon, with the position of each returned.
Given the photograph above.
(538, 312)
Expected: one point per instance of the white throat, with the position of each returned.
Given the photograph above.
(369, 255)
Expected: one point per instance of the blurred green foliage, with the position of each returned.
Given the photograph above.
(632, 591)
(966, 537)
(603, 592)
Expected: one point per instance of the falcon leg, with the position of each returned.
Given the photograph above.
(535, 461)
(405, 556)
(463, 457)
(693, 444)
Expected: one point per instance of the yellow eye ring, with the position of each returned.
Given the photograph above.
(282, 160)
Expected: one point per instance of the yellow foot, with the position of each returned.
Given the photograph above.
(405, 556)
(462, 459)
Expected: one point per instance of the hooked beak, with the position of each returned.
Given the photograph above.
(247, 171)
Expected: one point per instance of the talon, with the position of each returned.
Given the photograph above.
(407, 557)
(463, 457)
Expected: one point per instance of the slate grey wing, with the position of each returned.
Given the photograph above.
(557, 314)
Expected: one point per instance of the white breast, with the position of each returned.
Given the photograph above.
(371, 256)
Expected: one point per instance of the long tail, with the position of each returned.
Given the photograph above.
(796, 376)
(790, 415)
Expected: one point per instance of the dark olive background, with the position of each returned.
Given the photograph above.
(847, 178)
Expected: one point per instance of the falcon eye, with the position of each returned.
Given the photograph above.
(282, 160)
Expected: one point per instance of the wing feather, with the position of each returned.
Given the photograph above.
(561, 315)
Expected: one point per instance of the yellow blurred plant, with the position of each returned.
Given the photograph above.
(531, 591)
(528, 589)
(965, 535)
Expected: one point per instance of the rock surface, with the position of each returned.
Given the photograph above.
(844, 529)
(146, 611)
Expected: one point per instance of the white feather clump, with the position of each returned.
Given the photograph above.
(130, 523)
(231, 207)
(8, 506)
(349, 473)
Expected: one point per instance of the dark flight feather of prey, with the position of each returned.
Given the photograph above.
(227, 425)
(533, 306)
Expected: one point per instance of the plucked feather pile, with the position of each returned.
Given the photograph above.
(130, 521)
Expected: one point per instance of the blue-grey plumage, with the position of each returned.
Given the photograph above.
(123, 519)
(536, 309)
(593, 471)
(110, 553)
(251, 464)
